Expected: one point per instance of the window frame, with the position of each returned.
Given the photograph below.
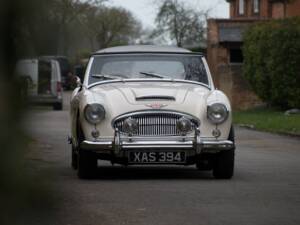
(241, 7)
(89, 84)
(256, 7)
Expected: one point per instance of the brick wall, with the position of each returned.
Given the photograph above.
(293, 9)
(268, 9)
(228, 77)
(277, 10)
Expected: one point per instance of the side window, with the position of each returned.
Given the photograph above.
(256, 4)
(241, 7)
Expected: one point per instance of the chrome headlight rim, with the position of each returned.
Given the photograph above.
(184, 125)
(213, 109)
(131, 126)
(94, 113)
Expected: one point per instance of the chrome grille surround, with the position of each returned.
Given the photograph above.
(155, 123)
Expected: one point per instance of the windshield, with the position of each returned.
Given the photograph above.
(148, 66)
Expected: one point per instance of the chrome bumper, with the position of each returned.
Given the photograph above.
(123, 143)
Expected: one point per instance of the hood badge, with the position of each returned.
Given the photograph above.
(156, 105)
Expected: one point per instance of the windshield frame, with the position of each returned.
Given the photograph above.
(90, 85)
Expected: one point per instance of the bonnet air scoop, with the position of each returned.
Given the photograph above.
(155, 97)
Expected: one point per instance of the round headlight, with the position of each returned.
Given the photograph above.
(184, 125)
(217, 113)
(131, 126)
(94, 113)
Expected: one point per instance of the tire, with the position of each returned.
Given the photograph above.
(86, 161)
(205, 162)
(87, 164)
(57, 106)
(224, 165)
(74, 160)
(224, 161)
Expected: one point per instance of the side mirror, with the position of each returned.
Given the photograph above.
(79, 71)
(78, 81)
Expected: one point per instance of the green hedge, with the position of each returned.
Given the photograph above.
(272, 61)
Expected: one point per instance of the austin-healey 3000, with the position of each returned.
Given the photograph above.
(150, 105)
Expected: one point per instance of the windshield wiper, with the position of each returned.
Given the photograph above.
(108, 76)
(156, 75)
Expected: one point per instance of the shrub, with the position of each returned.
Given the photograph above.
(272, 61)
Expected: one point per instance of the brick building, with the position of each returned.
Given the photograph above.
(225, 41)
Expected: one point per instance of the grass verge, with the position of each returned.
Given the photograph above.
(270, 120)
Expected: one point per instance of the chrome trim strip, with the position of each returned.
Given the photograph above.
(160, 138)
(157, 144)
(204, 145)
(93, 145)
(224, 145)
(148, 80)
(153, 111)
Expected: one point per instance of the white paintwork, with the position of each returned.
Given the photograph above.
(55, 77)
(29, 68)
(120, 97)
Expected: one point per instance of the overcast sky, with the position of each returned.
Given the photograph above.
(145, 10)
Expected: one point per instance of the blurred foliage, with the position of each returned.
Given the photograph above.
(272, 61)
(64, 27)
(183, 24)
(29, 29)
(25, 197)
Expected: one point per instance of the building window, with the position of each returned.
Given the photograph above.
(241, 7)
(236, 55)
(256, 6)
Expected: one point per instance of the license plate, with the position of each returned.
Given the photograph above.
(156, 157)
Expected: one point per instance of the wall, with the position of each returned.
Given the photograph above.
(268, 9)
(228, 77)
(293, 9)
(277, 10)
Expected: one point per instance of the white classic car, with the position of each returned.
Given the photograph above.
(150, 105)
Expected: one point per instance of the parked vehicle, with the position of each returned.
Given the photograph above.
(79, 71)
(65, 70)
(150, 105)
(43, 81)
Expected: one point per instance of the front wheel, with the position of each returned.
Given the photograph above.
(224, 164)
(87, 164)
(74, 159)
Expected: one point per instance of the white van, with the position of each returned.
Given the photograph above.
(43, 79)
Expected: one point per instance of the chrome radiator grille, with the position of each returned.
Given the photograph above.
(154, 124)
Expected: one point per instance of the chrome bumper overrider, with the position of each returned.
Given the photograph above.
(123, 143)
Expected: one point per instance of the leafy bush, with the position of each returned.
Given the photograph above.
(272, 61)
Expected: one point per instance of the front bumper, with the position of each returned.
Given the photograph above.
(193, 144)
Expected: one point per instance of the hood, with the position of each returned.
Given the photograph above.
(130, 96)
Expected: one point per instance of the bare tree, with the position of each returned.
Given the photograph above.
(110, 26)
(183, 24)
(66, 11)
